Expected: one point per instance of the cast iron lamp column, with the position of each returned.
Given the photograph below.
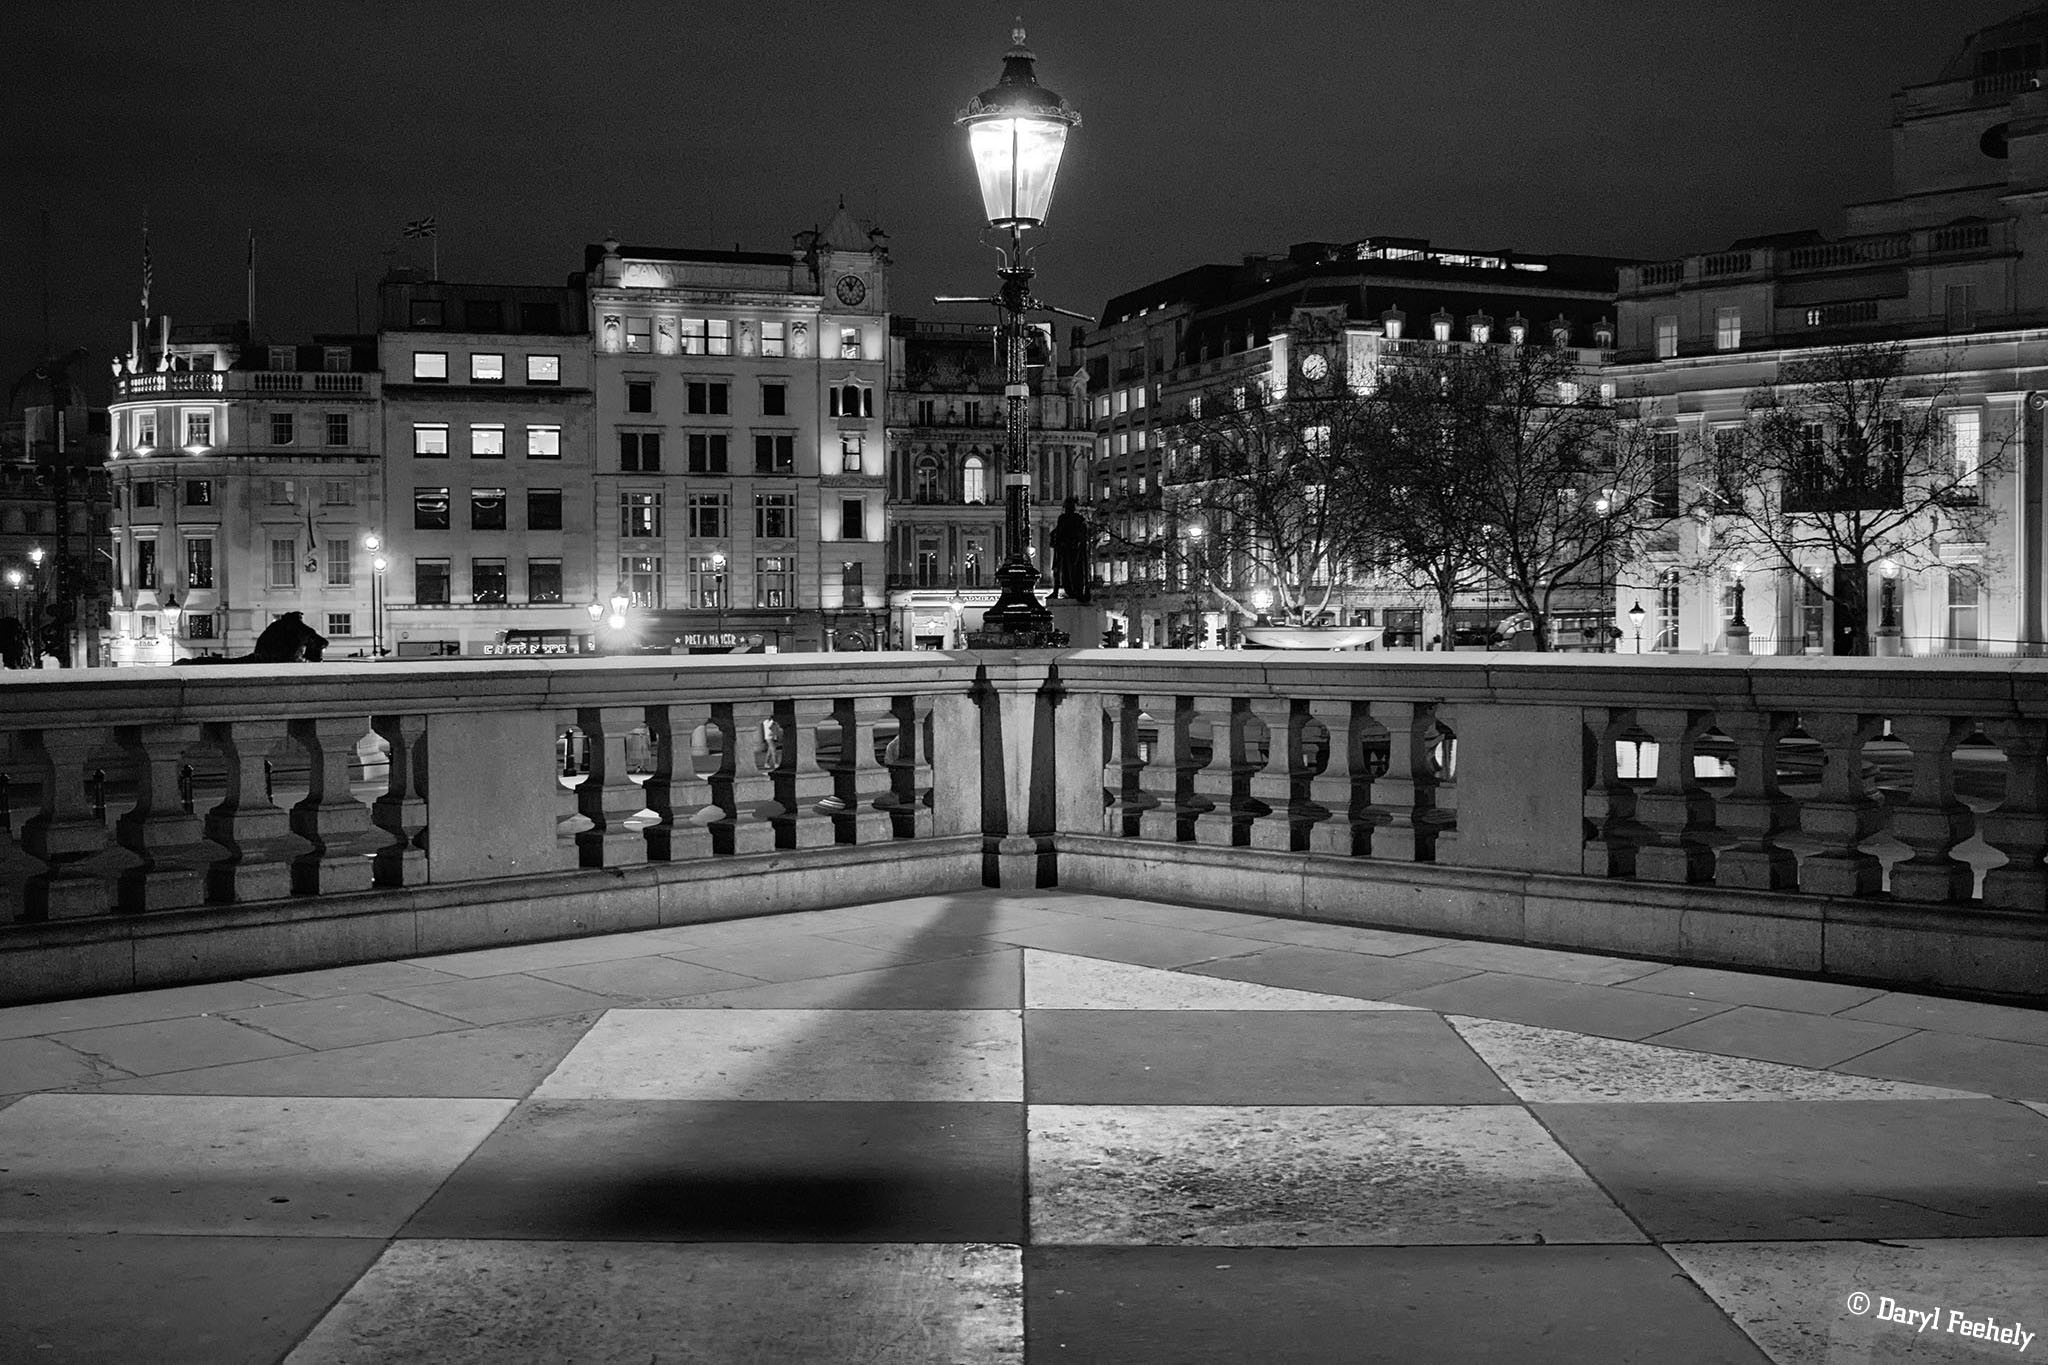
(1635, 616)
(1016, 130)
(1889, 645)
(1738, 629)
(174, 615)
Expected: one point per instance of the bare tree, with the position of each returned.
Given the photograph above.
(1849, 459)
(1504, 463)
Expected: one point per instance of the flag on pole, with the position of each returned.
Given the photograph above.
(148, 265)
(312, 542)
(421, 227)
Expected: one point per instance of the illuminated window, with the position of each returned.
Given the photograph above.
(284, 562)
(487, 441)
(430, 366)
(544, 443)
(145, 562)
(543, 369)
(690, 338)
(1727, 329)
(198, 428)
(486, 509)
(1965, 444)
(707, 580)
(774, 581)
(199, 561)
(339, 623)
(145, 430)
(1667, 336)
(639, 334)
(774, 516)
(710, 516)
(199, 492)
(640, 576)
(858, 400)
(850, 453)
(1965, 602)
(718, 336)
(849, 343)
(430, 440)
(486, 367)
(774, 338)
(339, 563)
(640, 515)
(974, 480)
(1440, 327)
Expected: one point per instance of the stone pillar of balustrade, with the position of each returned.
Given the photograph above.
(1676, 810)
(1220, 789)
(252, 828)
(79, 868)
(609, 797)
(859, 780)
(678, 796)
(803, 785)
(1275, 772)
(1338, 810)
(744, 786)
(1125, 799)
(169, 842)
(330, 818)
(1756, 811)
(1931, 821)
(1614, 832)
(572, 822)
(1842, 815)
(2018, 826)
(906, 800)
(1407, 793)
(401, 812)
(1168, 775)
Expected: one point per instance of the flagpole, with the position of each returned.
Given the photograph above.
(252, 284)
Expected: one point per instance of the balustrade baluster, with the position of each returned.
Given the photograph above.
(609, 797)
(330, 818)
(79, 869)
(1407, 793)
(909, 761)
(1843, 815)
(573, 822)
(256, 833)
(679, 798)
(2018, 828)
(1614, 833)
(1274, 814)
(1677, 811)
(1167, 777)
(858, 780)
(1757, 810)
(1123, 767)
(744, 787)
(1339, 810)
(1219, 789)
(803, 785)
(1931, 821)
(401, 812)
(168, 841)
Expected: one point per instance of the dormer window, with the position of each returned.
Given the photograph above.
(1440, 326)
(1479, 328)
(1518, 330)
(284, 358)
(1393, 320)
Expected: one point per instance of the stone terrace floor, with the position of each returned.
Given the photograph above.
(1001, 1126)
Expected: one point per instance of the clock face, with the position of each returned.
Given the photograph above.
(1314, 367)
(851, 290)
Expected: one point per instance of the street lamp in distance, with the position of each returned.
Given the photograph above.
(173, 615)
(1889, 645)
(1738, 629)
(379, 562)
(1635, 617)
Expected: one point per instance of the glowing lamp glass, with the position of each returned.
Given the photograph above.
(1017, 157)
(1262, 599)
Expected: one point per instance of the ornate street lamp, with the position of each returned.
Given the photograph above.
(1017, 130)
(173, 615)
(1738, 629)
(1262, 602)
(1635, 616)
(1888, 642)
(379, 562)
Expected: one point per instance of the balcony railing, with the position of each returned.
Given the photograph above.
(1884, 820)
(178, 383)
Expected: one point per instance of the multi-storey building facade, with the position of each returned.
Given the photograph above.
(1952, 266)
(244, 477)
(54, 509)
(947, 448)
(739, 409)
(488, 465)
(1242, 331)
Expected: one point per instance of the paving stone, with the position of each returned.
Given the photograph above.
(1307, 1176)
(1148, 945)
(1780, 1170)
(1554, 1066)
(761, 1054)
(792, 957)
(345, 1021)
(1603, 1010)
(500, 1000)
(985, 981)
(1956, 1016)
(1753, 988)
(2015, 1070)
(1330, 971)
(643, 978)
(1586, 968)
(1781, 1036)
(1251, 1057)
(1342, 937)
(1795, 1298)
(1060, 981)
(361, 980)
(913, 943)
(500, 1061)
(169, 1300)
(1170, 915)
(485, 1303)
(1314, 1305)
(175, 1044)
(309, 1167)
(567, 952)
(606, 1170)
(28, 1064)
(108, 1011)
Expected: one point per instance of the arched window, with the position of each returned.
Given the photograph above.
(928, 486)
(974, 480)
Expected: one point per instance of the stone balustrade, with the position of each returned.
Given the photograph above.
(1876, 820)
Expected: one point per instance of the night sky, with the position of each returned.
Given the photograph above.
(1212, 128)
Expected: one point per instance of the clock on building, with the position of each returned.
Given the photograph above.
(851, 289)
(1314, 366)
